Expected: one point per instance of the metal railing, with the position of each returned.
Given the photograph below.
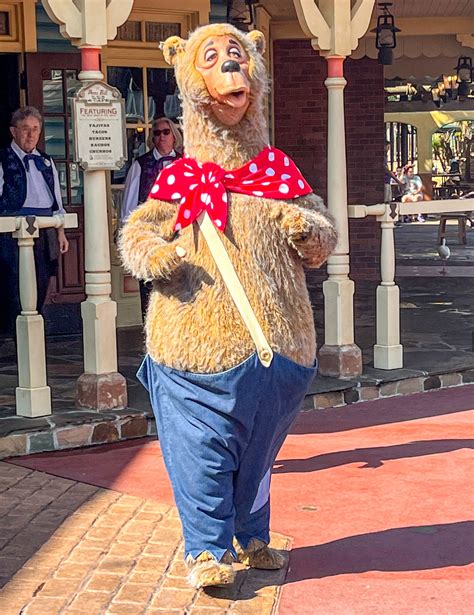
(388, 352)
(33, 395)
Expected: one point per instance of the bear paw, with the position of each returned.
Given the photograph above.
(296, 226)
(259, 555)
(206, 571)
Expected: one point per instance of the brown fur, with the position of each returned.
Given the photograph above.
(206, 571)
(192, 323)
(261, 556)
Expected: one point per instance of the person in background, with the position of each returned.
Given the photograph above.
(29, 186)
(389, 177)
(413, 191)
(166, 145)
(455, 173)
(454, 168)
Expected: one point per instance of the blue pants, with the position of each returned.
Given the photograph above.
(220, 434)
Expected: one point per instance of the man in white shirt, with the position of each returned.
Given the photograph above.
(29, 186)
(167, 146)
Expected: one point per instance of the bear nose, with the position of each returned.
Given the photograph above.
(230, 66)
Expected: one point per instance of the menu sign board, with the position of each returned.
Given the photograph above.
(99, 127)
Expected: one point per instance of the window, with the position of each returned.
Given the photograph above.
(403, 145)
(4, 23)
(147, 31)
(144, 90)
(58, 86)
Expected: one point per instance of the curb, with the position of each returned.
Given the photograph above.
(357, 392)
(91, 429)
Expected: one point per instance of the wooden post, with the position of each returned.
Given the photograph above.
(33, 395)
(388, 352)
(340, 356)
(101, 386)
(335, 27)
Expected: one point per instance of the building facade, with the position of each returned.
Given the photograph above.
(41, 67)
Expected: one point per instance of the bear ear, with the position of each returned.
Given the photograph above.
(172, 48)
(258, 39)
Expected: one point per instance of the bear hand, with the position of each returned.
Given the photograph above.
(164, 259)
(149, 246)
(296, 226)
(310, 231)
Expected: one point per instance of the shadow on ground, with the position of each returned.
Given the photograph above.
(370, 457)
(423, 547)
(383, 412)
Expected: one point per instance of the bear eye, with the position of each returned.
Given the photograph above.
(235, 51)
(210, 55)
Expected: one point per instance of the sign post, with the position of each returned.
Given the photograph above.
(100, 146)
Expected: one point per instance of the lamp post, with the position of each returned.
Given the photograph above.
(385, 34)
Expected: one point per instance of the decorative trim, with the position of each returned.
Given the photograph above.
(21, 36)
(466, 40)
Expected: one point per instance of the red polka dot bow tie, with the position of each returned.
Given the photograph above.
(203, 186)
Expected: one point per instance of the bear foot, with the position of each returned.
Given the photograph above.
(206, 571)
(259, 555)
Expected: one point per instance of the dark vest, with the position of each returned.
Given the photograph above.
(150, 167)
(14, 177)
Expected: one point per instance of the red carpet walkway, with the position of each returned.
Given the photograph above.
(377, 498)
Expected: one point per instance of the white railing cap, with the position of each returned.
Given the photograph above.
(442, 206)
(9, 224)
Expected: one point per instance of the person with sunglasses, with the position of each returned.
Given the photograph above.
(166, 145)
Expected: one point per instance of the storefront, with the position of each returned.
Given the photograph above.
(320, 120)
(41, 68)
(133, 64)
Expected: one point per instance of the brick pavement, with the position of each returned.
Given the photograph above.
(71, 548)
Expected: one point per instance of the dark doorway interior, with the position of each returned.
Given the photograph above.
(9, 95)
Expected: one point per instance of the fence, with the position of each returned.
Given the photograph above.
(388, 352)
(33, 395)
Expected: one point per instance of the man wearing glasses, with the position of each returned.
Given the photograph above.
(166, 145)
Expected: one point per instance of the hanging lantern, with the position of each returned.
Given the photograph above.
(385, 34)
(241, 13)
(464, 76)
(464, 69)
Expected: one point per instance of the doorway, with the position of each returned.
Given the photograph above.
(9, 96)
(52, 80)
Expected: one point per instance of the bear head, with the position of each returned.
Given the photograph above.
(219, 69)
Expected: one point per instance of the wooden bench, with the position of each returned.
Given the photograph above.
(461, 219)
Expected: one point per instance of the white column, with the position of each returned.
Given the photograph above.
(101, 386)
(33, 396)
(335, 27)
(388, 352)
(339, 356)
(98, 310)
(338, 289)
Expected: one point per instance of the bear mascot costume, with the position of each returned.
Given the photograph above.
(224, 237)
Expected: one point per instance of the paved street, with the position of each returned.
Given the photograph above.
(72, 548)
(376, 499)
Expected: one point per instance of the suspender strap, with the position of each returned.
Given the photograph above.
(235, 288)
